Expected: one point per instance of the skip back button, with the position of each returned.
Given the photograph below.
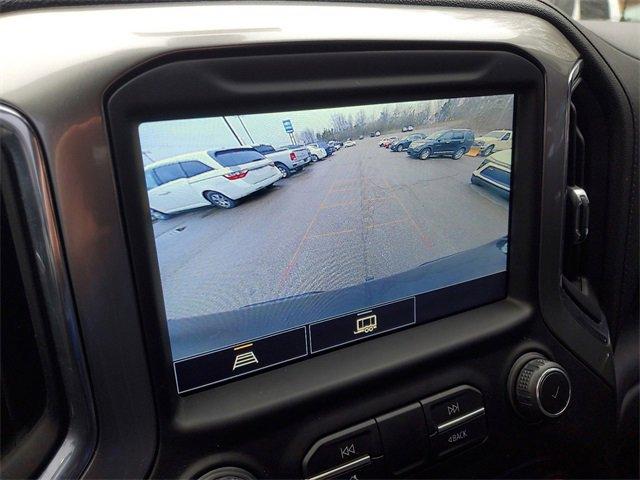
(339, 450)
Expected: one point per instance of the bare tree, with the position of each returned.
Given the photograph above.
(384, 121)
(479, 113)
(340, 122)
(328, 135)
(307, 136)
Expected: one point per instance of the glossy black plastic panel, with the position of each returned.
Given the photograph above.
(332, 391)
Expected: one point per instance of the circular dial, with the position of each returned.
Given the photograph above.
(227, 473)
(542, 389)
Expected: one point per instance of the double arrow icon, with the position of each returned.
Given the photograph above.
(348, 450)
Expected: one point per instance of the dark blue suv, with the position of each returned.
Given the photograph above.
(450, 143)
(402, 144)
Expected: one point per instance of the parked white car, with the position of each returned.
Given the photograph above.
(316, 152)
(349, 143)
(289, 159)
(494, 173)
(214, 177)
(494, 141)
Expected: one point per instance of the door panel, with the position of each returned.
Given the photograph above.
(445, 143)
(457, 141)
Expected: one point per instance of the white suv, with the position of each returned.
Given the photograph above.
(214, 177)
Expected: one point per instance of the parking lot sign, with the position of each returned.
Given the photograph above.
(288, 126)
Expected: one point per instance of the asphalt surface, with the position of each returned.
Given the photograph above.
(362, 214)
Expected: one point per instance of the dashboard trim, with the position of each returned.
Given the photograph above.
(74, 451)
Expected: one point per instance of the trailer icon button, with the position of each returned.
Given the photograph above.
(366, 324)
(361, 324)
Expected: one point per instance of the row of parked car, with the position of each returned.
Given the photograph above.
(222, 177)
(454, 142)
(494, 172)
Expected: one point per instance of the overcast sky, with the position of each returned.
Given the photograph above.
(173, 137)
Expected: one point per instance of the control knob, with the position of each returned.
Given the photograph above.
(539, 387)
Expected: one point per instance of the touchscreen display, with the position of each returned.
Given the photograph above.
(284, 235)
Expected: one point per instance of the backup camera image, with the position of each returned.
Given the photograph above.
(281, 235)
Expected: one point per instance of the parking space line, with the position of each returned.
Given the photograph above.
(351, 230)
(425, 239)
(342, 204)
(284, 276)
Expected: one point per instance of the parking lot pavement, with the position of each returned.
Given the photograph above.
(364, 213)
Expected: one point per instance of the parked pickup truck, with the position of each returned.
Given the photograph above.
(287, 160)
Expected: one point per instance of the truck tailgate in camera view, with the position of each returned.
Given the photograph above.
(364, 228)
(287, 160)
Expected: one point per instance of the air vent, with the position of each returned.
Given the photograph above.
(577, 210)
(587, 170)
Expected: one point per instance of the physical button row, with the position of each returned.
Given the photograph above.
(403, 440)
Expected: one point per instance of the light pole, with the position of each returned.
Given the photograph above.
(232, 130)
(245, 129)
(147, 156)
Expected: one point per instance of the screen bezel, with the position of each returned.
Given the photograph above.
(496, 72)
